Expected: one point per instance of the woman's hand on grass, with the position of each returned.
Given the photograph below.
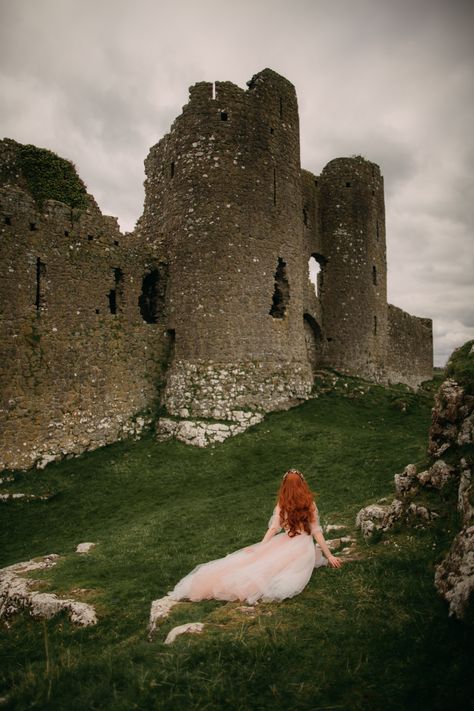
(334, 562)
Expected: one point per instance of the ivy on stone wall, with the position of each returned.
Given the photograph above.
(49, 177)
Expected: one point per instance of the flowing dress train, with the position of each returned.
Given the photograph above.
(277, 569)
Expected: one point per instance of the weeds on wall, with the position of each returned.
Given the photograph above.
(49, 177)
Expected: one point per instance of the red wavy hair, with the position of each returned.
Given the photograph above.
(296, 502)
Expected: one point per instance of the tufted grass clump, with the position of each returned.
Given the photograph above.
(49, 177)
(372, 635)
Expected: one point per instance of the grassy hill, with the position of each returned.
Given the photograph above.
(372, 635)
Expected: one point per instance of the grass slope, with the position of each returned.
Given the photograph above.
(372, 635)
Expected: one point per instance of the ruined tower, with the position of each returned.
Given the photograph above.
(354, 289)
(223, 198)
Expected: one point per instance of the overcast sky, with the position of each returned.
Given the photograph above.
(100, 81)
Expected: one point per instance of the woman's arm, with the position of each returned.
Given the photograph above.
(332, 560)
(317, 533)
(274, 525)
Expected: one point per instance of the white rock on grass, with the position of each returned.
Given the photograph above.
(85, 547)
(188, 628)
(159, 609)
(16, 595)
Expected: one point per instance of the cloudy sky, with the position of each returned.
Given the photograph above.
(100, 81)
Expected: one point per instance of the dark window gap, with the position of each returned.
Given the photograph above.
(274, 187)
(281, 293)
(224, 116)
(8, 220)
(33, 226)
(374, 275)
(172, 169)
(40, 272)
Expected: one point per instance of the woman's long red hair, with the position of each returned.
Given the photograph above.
(296, 502)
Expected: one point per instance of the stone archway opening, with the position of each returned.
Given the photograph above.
(314, 341)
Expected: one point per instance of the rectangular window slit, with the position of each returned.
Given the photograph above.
(274, 188)
(8, 220)
(224, 116)
(172, 170)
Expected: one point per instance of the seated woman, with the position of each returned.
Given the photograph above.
(277, 567)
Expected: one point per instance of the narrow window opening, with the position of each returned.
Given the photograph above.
(172, 169)
(152, 298)
(315, 273)
(33, 226)
(348, 184)
(375, 325)
(377, 230)
(281, 293)
(329, 339)
(116, 242)
(281, 107)
(8, 220)
(113, 301)
(66, 233)
(305, 216)
(116, 294)
(274, 187)
(272, 131)
(97, 311)
(374, 275)
(40, 272)
(224, 116)
(316, 182)
(90, 237)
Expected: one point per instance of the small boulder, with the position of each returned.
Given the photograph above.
(406, 482)
(188, 628)
(85, 547)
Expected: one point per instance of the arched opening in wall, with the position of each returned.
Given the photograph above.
(314, 341)
(152, 298)
(116, 294)
(316, 265)
(314, 269)
(281, 293)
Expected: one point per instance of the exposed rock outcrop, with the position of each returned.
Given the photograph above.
(452, 428)
(18, 593)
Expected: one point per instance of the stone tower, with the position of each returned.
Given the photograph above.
(223, 201)
(354, 276)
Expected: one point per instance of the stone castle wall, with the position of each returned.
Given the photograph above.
(209, 298)
(74, 375)
(409, 356)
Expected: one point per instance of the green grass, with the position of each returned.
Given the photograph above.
(460, 367)
(372, 635)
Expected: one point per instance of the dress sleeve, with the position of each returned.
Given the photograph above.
(274, 522)
(315, 525)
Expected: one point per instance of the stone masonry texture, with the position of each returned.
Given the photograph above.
(207, 306)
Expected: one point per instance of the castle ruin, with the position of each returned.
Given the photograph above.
(207, 307)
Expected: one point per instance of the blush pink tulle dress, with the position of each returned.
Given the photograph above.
(279, 568)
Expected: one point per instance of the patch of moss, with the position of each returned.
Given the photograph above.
(49, 177)
(460, 367)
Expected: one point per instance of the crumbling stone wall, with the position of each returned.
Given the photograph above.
(409, 357)
(209, 297)
(79, 367)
